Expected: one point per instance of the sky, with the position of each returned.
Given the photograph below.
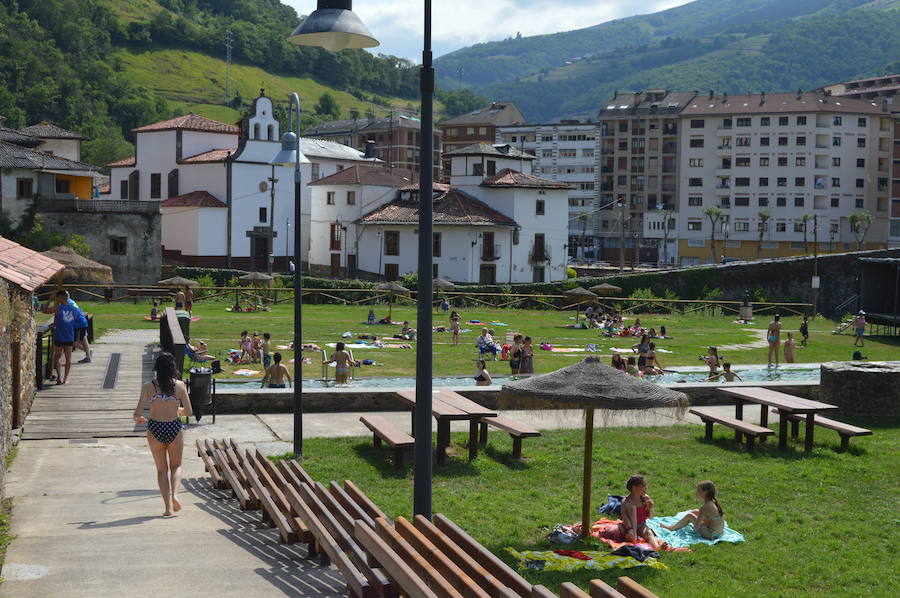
(397, 24)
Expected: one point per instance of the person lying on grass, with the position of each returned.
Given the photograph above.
(708, 521)
(637, 508)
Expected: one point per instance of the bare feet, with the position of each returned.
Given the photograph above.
(176, 504)
(167, 514)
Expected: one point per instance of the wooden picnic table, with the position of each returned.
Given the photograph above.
(783, 403)
(448, 406)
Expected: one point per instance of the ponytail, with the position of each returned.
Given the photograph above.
(710, 489)
(718, 506)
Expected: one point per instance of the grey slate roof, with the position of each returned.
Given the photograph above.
(19, 138)
(362, 124)
(15, 156)
(323, 148)
(48, 130)
(503, 150)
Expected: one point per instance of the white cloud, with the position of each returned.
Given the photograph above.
(398, 24)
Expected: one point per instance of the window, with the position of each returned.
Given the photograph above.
(568, 153)
(782, 181)
(470, 130)
(697, 142)
(763, 162)
(835, 181)
(546, 153)
(860, 183)
(860, 162)
(763, 181)
(800, 161)
(587, 153)
(742, 162)
(329, 198)
(742, 201)
(314, 171)
(799, 227)
(835, 202)
(780, 227)
(861, 121)
(155, 185)
(63, 186)
(781, 202)
(351, 198)
(695, 182)
(478, 169)
(391, 242)
(451, 132)
(539, 207)
(836, 162)
(836, 141)
(783, 121)
(436, 244)
(741, 227)
(799, 181)
(334, 234)
(782, 141)
(860, 142)
(25, 189)
(118, 245)
(742, 182)
(743, 141)
(695, 162)
(764, 141)
(698, 123)
(801, 140)
(860, 203)
(482, 130)
(695, 200)
(491, 167)
(263, 215)
(695, 225)
(798, 202)
(392, 271)
(744, 121)
(782, 160)
(837, 121)
(123, 189)
(763, 202)
(765, 121)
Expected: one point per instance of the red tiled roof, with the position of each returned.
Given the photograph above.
(437, 187)
(453, 207)
(189, 122)
(511, 178)
(216, 155)
(377, 176)
(125, 162)
(194, 199)
(25, 268)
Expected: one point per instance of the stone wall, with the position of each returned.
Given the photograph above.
(139, 224)
(863, 390)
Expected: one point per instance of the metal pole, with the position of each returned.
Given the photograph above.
(298, 290)
(622, 243)
(815, 290)
(422, 450)
(271, 248)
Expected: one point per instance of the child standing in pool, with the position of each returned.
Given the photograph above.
(726, 373)
(482, 377)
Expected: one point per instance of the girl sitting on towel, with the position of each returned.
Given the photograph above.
(708, 520)
(637, 508)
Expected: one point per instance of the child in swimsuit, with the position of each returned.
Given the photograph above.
(454, 327)
(789, 348)
(482, 378)
(246, 354)
(276, 374)
(708, 520)
(341, 359)
(637, 508)
(371, 318)
(726, 373)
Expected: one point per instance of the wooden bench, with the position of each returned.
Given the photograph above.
(516, 430)
(205, 450)
(625, 588)
(846, 431)
(751, 431)
(383, 430)
(632, 589)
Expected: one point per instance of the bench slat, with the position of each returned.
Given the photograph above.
(599, 589)
(276, 490)
(632, 589)
(409, 582)
(731, 422)
(240, 493)
(364, 501)
(351, 506)
(511, 426)
(570, 590)
(387, 431)
(206, 456)
(541, 592)
(831, 424)
(441, 586)
(268, 503)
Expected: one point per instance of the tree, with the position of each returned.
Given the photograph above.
(860, 223)
(715, 215)
(805, 220)
(764, 216)
(666, 216)
(583, 218)
(328, 106)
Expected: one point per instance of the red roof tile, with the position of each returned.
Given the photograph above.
(125, 162)
(511, 178)
(25, 268)
(189, 122)
(194, 199)
(216, 155)
(453, 207)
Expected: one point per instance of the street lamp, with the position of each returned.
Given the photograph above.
(334, 27)
(290, 154)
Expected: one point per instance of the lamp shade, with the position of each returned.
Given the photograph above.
(290, 153)
(333, 26)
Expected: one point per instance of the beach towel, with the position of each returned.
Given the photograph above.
(475, 322)
(610, 531)
(618, 350)
(358, 345)
(686, 535)
(566, 349)
(548, 560)
(246, 372)
(498, 324)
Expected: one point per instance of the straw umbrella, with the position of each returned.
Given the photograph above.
(442, 285)
(178, 282)
(580, 296)
(592, 385)
(256, 279)
(606, 289)
(393, 289)
(79, 268)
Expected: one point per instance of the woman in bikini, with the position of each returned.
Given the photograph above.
(341, 360)
(168, 401)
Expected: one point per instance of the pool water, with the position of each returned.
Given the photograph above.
(693, 376)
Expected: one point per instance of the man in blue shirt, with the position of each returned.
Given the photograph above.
(65, 321)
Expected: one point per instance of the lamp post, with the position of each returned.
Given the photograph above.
(334, 27)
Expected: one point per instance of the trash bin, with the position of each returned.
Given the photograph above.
(200, 390)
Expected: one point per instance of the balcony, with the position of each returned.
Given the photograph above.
(670, 148)
(668, 187)
(538, 255)
(490, 253)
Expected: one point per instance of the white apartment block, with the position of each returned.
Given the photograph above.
(808, 159)
(568, 152)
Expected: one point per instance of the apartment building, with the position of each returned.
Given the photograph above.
(884, 89)
(478, 126)
(639, 173)
(568, 152)
(783, 170)
(395, 139)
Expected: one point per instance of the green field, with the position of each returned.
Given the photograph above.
(322, 324)
(820, 524)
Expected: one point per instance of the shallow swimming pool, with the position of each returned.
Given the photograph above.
(804, 373)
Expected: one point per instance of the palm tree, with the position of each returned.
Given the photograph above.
(715, 215)
(764, 216)
(805, 220)
(666, 215)
(860, 222)
(583, 218)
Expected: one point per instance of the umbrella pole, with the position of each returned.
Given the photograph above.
(588, 472)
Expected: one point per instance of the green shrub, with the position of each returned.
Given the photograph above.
(571, 273)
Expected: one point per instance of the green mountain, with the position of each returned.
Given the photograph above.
(727, 45)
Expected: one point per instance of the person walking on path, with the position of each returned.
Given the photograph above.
(859, 326)
(168, 401)
(65, 321)
(773, 335)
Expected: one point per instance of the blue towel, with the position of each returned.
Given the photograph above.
(686, 535)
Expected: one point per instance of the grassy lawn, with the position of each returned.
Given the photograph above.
(823, 524)
(324, 324)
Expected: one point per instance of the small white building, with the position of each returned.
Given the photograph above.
(56, 140)
(203, 171)
(495, 223)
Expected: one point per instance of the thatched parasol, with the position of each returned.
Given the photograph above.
(393, 289)
(606, 289)
(592, 385)
(579, 296)
(79, 268)
(178, 282)
(255, 278)
(444, 285)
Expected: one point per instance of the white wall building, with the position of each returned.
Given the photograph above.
(790, 154)
(179, 158)
(568, 152)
